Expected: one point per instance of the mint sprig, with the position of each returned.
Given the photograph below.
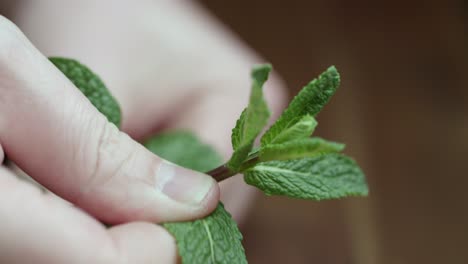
(288, 162)
(215, 238)
(310, 101)
(252, 120)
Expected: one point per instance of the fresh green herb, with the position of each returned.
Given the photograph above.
(301, 127)
(251, 121)
(288, 161)
(184, 149)
(215, 238)
(91, 86)
(299, 148)
(309, 101)
(327, 176)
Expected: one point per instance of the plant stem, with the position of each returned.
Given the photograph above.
(223, 172)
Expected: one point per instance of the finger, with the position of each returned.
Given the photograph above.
(2, 154)
(142, 242)
(55, 135)
(211, 92)
(216, 95)
(38, 228)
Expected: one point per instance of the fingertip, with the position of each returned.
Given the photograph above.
(211, 200)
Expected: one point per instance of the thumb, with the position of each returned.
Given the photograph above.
(54, 134)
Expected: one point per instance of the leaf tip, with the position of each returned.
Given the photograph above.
(340, 146)
(260, 72)
(334, 75)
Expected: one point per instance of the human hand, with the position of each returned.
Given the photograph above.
(54, 134)
(169, 63)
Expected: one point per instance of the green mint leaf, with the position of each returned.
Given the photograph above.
(309, 101)
(184, 149)
(91, 86)
(327, 176)
(301, 127)
(252, 120)
(300, 148)
(214, 239)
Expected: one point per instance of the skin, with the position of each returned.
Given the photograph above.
(171, 66)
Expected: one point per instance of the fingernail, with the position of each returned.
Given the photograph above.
(183, 185)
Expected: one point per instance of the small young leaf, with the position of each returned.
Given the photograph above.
(327, 176)
(91, 86)
(214, 239)
(252, 120)
(184, 149)
(302, 127)
(300, 148)
(309, 101)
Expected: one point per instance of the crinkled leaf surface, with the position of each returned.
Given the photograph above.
(309, 101)
(327, 176)
(91, 86)
(252, 120)
(214, 239)
(300, 148)
(301, 127)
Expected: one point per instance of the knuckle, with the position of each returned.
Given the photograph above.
(114, 155)
(110, 159)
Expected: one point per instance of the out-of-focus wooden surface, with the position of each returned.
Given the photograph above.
(403, 112)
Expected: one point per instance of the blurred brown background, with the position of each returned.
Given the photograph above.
(403, 112)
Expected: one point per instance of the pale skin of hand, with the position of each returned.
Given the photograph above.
(170, 65)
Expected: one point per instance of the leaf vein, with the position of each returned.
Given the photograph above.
(210, 239)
